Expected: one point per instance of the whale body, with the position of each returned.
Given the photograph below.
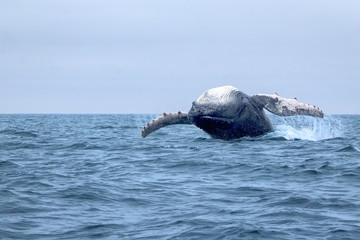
(227, 113)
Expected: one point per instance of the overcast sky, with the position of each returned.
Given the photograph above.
(83, 56)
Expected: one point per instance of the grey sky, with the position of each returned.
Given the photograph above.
(158, 56)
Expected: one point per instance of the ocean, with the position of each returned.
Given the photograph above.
(94, 177)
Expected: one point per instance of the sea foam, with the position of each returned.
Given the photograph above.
(306, 128)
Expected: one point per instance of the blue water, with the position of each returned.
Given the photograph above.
(93, 176)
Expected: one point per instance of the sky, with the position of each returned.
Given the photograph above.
(154, 56)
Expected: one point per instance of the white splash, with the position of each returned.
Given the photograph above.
(306, 128)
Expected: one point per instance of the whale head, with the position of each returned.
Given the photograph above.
(227, 113)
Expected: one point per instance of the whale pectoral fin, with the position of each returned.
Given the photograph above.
(220, 123)
(165, 120)
(286, 107)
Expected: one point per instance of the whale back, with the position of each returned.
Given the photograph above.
(227, 113)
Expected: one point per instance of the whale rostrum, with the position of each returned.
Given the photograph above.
(227, 113)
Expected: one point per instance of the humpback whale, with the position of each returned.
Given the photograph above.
(227, 113)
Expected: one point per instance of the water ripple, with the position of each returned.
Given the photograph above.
(93, 176)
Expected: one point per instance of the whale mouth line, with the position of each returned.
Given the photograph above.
(219, 122)
(224, 119)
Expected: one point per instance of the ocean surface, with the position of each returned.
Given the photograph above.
(94, 177)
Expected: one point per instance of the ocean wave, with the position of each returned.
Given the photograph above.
(17, 145)
(80, 179)
(102, 127)
(349, 148)
(19, 133)
(7, 164)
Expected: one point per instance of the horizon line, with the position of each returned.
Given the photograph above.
(50, 113)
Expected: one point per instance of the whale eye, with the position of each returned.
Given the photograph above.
(203, 100)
